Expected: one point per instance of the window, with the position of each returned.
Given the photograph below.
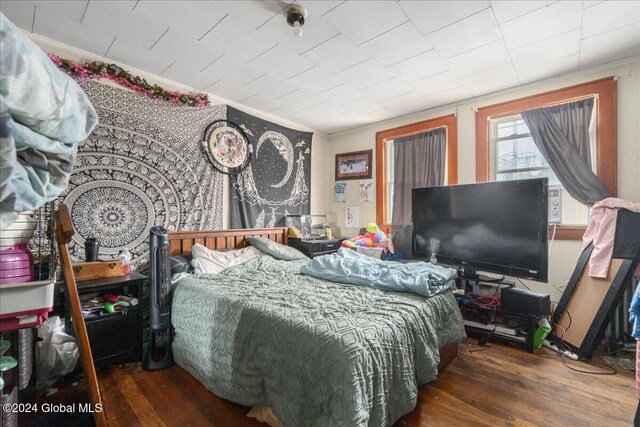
(506, 151)
(516, 156)
(385, 161)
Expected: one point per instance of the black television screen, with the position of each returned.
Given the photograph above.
(498, 227)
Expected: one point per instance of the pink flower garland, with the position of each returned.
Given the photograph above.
(101, 70)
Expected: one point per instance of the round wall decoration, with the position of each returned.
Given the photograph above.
(227, 147)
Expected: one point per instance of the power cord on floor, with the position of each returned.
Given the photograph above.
(611, 371)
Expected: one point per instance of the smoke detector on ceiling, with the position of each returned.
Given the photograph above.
(296, 15)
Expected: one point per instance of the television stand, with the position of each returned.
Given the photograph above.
(464, 279)
(472, 274)
(501, 332)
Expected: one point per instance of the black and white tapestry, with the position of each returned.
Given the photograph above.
(142, 166)
(278, 179)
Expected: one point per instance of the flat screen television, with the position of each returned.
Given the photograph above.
(497, 227)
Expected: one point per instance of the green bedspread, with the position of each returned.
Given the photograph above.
(318, 353)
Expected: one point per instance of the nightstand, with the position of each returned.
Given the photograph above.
(316, 247)
(114, 337)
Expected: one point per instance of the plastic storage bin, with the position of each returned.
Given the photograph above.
(25, 305)
(310, 226)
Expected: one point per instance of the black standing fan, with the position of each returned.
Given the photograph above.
(159, 354)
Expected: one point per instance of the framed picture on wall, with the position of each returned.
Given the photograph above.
(354, 165)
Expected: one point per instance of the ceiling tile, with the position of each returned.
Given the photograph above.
(21, 13)
(237, 39)
(435, 84)
(543, 23)
(341, 95)
(487, 56)
(281, 63)
(269, 87)
(300, 99)
(228, 68)
(125, 53)
(610, 46)
(286, 111)
(609, 16)
(315, 80)
(92, 38)
(496, 78)
(189, 76)
(404, 104)
(319, 8)
(185, 50)
(509, 9)
(446, 97)
(336, 54)
(230, 90)
(430, 16)
(377, 116)
(465, 35)
(191, 18)
(316, 30)
(387, 89)
(363, 20)
(365, 106)
(546, 50)
(590, 3)
(397, 45)
(252, 13)
(365, 74)
(419, 67)
(321, 110)
(556, 67)
(119, 18)
(70, 9)
(262, 103)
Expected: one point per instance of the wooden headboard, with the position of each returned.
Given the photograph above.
(180, 242)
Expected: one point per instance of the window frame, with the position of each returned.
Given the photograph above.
(604, 91)
(450, 122)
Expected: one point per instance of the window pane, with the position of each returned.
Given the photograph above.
(519, 153)
(512, 128)
(389, 201)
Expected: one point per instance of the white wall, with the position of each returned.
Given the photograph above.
(320, 145)
(563, 253)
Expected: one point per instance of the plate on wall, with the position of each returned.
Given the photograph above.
(227, 147)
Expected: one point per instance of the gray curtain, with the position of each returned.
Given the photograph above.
(419, 161)
(561, 133)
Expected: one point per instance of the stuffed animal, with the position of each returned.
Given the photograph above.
(372, 238)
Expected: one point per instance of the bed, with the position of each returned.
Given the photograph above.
(316, 352)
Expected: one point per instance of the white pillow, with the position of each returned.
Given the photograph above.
(210, 261)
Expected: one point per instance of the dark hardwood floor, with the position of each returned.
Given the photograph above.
(494, 385)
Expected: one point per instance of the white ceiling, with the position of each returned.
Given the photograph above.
(357, 62)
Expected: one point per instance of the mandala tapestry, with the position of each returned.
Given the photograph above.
(278, 179)
(142, 166)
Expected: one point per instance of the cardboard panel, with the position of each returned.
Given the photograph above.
(585, 301)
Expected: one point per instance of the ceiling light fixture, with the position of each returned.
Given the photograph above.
(295, 18)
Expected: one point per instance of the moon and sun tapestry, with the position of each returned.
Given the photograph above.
(277, 181)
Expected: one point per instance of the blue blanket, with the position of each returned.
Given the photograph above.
(348, 266)
(44, 114)
(634, 317)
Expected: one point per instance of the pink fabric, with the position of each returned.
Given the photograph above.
(601, 230)
(638, 368)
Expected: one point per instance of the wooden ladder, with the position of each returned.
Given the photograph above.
(64, 232)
